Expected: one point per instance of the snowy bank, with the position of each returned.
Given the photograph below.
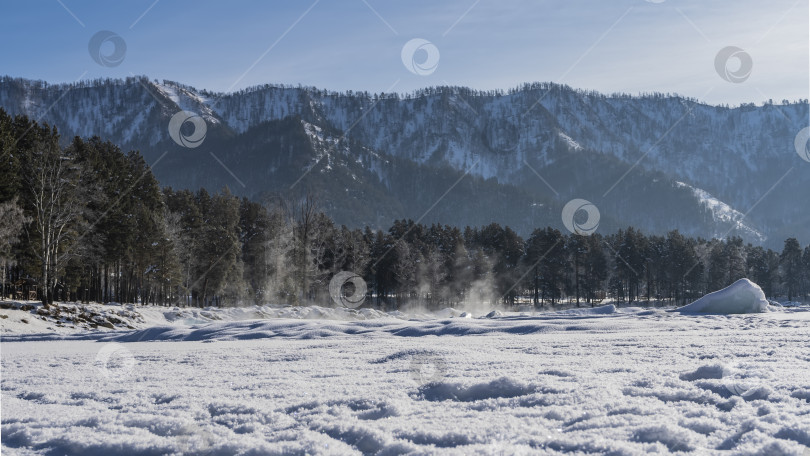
(85, 320)
(742, 296)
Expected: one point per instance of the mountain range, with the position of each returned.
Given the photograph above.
(457, 156)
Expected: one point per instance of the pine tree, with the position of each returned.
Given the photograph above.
(403, 269)
(656, 268)
(791, 265)
(12, 221)
(631, 261)
(684, 267)
(10, 166)
(718, 266)
(577, 248)
(254, 231)
(546, 256)
(596, 268)
(185, 213)
(735, 252)
(758, 268)
(216, 247)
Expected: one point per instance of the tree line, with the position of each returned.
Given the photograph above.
(87, 222)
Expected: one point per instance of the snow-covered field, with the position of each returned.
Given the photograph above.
(322, 381)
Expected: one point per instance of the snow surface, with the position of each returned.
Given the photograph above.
(187, 99)
(742, 296)
(570, 141)
(298, 381)
(29, 317)
(724, 213)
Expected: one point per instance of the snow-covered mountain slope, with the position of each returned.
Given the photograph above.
(688, 140)
(724, 214)
(584, 144)
(187, 99)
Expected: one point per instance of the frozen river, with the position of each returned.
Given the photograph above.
(631, 381)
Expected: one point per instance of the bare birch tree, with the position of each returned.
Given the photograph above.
(51, 179)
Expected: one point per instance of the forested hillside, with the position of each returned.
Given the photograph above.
(89, 222)
(655, 161)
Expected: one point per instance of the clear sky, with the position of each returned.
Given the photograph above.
(606, 45)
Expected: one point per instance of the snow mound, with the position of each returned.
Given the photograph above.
(742, 296)
(674, 438)
(503, 387)
(708, 371)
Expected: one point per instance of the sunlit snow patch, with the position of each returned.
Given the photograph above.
(742, 296)
(723, 213)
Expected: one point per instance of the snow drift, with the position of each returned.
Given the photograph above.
(742, 296)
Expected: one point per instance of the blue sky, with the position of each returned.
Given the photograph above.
(611, 46)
